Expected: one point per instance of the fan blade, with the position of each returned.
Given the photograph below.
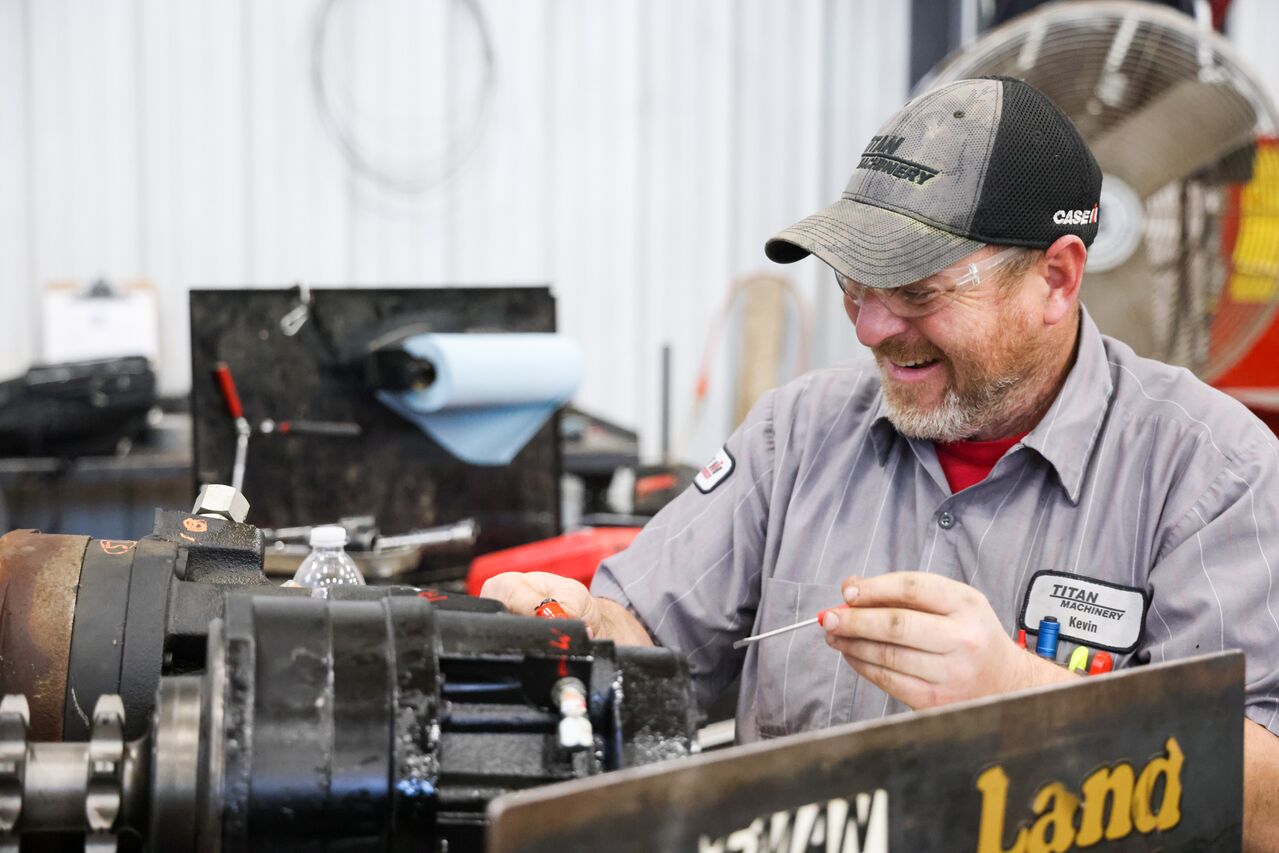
(1121, 303)
(1189, 126)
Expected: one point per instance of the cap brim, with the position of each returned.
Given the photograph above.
(871, 245)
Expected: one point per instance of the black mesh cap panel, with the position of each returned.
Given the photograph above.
(1041, 179)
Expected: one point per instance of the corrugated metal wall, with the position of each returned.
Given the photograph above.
(1252, 28)
(636, 155)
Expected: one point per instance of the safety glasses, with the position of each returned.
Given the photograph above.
(933, 293)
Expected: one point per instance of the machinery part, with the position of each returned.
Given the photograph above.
(176, 767)
(39, 576)
(83, 618)
(218, 501)
(372, 725)
(15, 717)
(569, 695)
(67, 787)
(218, 550)
(105, 771)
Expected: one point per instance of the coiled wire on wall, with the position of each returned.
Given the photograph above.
(345, 130)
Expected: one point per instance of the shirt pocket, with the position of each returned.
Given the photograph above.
(797, 674)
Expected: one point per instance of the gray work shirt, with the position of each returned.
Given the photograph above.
(1139, 475)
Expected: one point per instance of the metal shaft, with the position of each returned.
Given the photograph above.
(460, 533)
(242, 432)
(746, 641)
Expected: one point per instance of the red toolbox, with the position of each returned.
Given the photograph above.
(574, 555)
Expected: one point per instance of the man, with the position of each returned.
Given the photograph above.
(999, 451)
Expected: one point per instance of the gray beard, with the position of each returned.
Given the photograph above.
(956, 418)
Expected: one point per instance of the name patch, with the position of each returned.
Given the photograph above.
(1091, 612)
(715, 472)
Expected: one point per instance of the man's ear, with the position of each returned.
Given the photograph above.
(1063, 269)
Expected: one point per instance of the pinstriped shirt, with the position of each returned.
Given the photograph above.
(1139, 476)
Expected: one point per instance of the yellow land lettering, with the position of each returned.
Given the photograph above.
(1130, 797)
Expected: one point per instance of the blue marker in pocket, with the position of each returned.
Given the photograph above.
(1046, 646)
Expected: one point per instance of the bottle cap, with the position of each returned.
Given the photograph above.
(329, 536)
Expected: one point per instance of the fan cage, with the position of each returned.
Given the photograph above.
(1210, 241)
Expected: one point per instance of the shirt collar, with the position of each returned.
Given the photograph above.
(1068, 432)
(1066, 435)
(882, 431)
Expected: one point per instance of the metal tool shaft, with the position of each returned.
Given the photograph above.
(242, 432)
(746, 641)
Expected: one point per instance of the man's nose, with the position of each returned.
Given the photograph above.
(875, 323)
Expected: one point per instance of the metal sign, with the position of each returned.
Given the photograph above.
(1149, 758)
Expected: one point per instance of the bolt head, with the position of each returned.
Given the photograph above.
(222, 501)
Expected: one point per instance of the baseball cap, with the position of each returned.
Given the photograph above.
(973, 162)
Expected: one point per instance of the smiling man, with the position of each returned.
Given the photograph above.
(999, 456)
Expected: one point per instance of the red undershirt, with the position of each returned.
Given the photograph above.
(966, 463)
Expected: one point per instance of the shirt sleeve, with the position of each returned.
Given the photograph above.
(1213, 586)
(692, 577)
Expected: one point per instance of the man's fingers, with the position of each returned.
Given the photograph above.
(523, 592)
(914, 692)
(925, 666)
(514, 591)
(924, 631)
(913, 590)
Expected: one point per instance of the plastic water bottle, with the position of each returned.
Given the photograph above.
(328, 564)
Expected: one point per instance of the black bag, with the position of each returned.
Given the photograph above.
(76, 409)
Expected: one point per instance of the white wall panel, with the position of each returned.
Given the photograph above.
(1251, 27)
(83, 142)
(17, 339)
(637, 156)
(299, 211)
(193, 74)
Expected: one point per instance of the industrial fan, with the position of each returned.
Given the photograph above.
(1185, 266)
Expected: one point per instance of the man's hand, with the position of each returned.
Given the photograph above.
(523, 592)
(927, 640)
(1260, 789)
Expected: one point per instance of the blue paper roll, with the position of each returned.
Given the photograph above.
(492, 392)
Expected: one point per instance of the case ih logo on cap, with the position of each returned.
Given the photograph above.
(1076, 217)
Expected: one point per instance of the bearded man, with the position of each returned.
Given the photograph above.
(998, 446)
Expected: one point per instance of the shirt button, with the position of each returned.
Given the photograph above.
(946, 520)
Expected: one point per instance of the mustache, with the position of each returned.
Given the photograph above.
(900, 352)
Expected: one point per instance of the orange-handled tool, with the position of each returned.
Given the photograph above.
(550, 609)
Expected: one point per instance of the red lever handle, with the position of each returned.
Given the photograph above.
(223, 374)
